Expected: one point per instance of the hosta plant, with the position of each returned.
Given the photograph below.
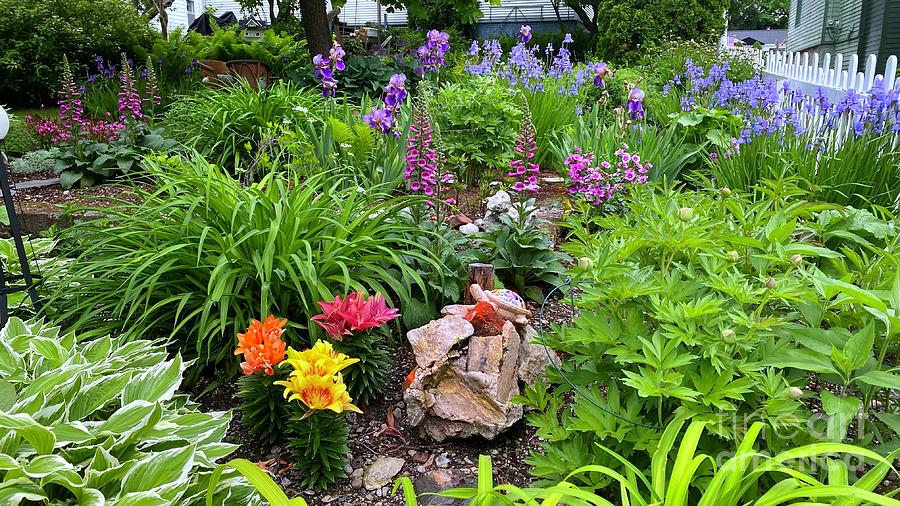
(356, 323)
(748, 478)
(685, 303)
(101, 422)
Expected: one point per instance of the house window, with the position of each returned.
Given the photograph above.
(798, 13)
(190, 11)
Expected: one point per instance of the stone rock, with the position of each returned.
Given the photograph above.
(432, 342)
(380, 472)
(469, 229)
(458, 220)
(439, 480)
(534, 358)
(442, 461)
(459, 310)
(498, 203)
(485, 353)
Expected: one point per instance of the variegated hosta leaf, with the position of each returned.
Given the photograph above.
(101, 423)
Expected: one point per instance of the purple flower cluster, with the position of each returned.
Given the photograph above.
(431, 54)
(130, 102)
(385, 118)
(770, 108)
(327, 66)
(534, 70)
(523, 169)
(421, 156)
(598, 184)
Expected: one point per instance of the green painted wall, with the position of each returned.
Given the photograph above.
(805, 24)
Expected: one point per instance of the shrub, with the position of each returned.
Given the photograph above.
(41, 160)
(200, 255)
(478, 123)
(100, 421)
(231, 125)
(691, 305)
(35, 35)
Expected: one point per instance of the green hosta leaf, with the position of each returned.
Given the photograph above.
(166, 471)
(841, 411)
(7, 395)
(97, 394)
(44, 465)
(133, 416)
(20, 489)
(141, 499)
(158, 383)
(41, 438)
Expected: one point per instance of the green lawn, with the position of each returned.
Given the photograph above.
(17, 140)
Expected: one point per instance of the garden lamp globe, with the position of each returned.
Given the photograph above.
(4, 123)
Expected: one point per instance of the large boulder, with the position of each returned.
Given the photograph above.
(464, 382)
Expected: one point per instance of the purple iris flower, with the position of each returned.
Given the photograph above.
(395, 91)
(329, 86)
(323, 66)
(380, 119)
(636, 104)
(568, 39)
(525, 34)
(601, 71)
(337, 55)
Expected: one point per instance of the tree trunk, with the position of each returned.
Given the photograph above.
(315, 22)
(272, 11)
(587, 21)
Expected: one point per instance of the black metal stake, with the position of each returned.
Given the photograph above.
(16, 232)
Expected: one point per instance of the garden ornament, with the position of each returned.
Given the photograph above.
(508, 303)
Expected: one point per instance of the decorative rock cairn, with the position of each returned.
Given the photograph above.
(470, 363)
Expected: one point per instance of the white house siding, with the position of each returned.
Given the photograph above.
(361, 12)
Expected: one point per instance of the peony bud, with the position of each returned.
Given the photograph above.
(795, 393)
(585, 263)
(725, 191)
(728, 336)
(770, 283)
(733, 256)
(797, 259)
(685, 214)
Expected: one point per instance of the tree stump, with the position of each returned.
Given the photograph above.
(481, 275)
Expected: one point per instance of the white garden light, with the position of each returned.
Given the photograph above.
(4, 123)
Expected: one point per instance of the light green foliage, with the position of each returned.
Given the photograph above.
(858, 172)
(478, 122)
(100, 422)
(201, 255)
(551, 112)
(713, 127)
(41, 160)
(524, 258)
(233, 125)
(694, 478)
(37, 250)
(262, 482)
(690, 305)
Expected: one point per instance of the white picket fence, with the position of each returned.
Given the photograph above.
(812, 72)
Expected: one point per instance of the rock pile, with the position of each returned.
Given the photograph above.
(464, 381)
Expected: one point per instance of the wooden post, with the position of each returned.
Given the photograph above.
(481, 275)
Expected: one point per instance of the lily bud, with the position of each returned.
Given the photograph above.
(797, 259)
(728, 336)
(733, 256)
(685, 214)
(795, 393)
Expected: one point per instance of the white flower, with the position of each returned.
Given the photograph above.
(302, 109)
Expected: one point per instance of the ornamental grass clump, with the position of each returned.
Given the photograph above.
(356, 323)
